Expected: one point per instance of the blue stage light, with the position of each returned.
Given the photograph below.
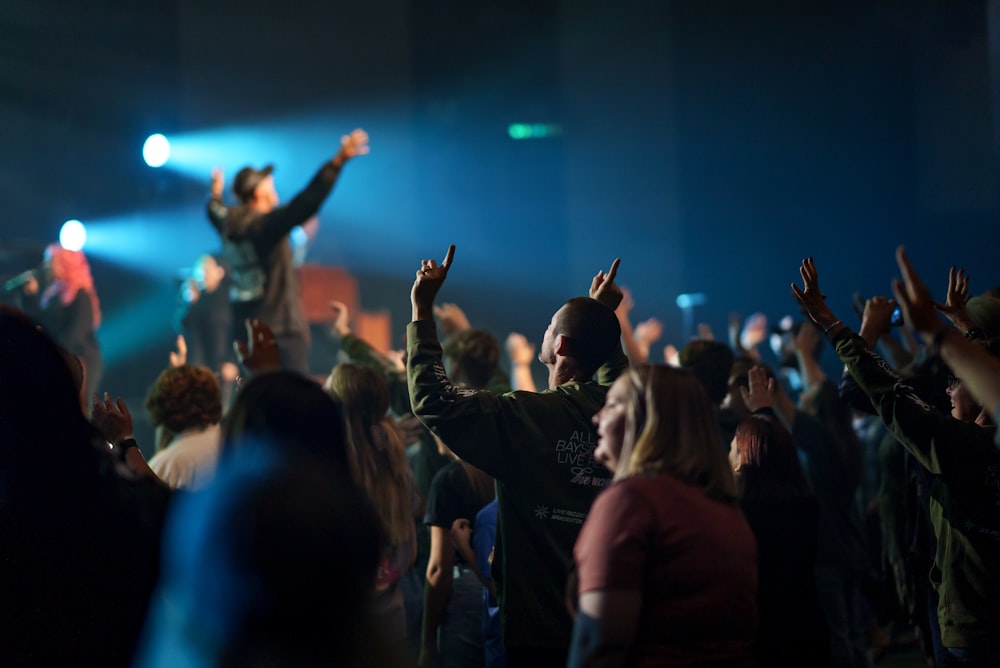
(72, 235)
(691, 299)
(156, 150)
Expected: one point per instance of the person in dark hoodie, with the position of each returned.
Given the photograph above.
(255, 242)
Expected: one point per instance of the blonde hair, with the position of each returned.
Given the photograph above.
(671, 427)
(375, 449)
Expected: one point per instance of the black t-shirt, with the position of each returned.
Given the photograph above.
(451, 497)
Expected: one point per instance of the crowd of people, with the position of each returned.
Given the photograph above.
(432, 507)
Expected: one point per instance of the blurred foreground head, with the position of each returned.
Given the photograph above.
(292, 413)
(43, 433)
(272, 565)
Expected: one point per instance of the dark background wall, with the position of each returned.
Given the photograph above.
(711, 145)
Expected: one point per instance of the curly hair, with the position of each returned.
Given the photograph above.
(185, 397)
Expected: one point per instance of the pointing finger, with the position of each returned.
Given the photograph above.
(614, 269)
(446, 262)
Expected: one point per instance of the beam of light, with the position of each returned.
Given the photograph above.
(72, 235)
(376, 194)
(377, 215)
(153, 243)
(145, 319)
(156, 150)
(296, 146)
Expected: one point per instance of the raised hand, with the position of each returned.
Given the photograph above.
(754, 332)
(430, 277)
(648, 332)
(958, 296)
(520, 350)
(179, 357)
(218, 182)
(705, 332)
(807, 339)
(397, 359)
(626, 305)
(451, 318)
(341, 322)
(813, 301)
(760, 392)
(229, 372)
(915, 299)
(260, 351)
(352, 145)
(604, 289)
(111, 418)
(671, 355)
(876, 319)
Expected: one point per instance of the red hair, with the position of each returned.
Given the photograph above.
(70, 274)
(769, 461)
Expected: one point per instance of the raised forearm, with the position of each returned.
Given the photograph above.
(636, 355)
(979, 371)
(523, 380)
(812, 372)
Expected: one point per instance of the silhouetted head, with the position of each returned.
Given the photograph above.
(985, 312)
(711, 362)
(290, 411)
(472, 356)
(360, 390)
(273, 564)
(584, 330)
(44, 436)
(256, 188)
(763, 454)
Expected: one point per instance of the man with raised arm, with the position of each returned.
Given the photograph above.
(959, 456)
(538, 446)
(256, 245)
(978, 370)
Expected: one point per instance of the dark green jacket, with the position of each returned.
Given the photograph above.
(539, 447)
(965, 496)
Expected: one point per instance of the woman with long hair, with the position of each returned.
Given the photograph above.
(377, 459)
(666, 564)
(68, 308)
(784, 516)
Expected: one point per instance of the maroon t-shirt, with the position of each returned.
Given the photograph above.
(693, 558)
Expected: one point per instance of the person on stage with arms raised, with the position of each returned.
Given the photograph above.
(255, 239)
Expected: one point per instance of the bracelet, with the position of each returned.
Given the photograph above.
(125, 444)
(833, 324)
